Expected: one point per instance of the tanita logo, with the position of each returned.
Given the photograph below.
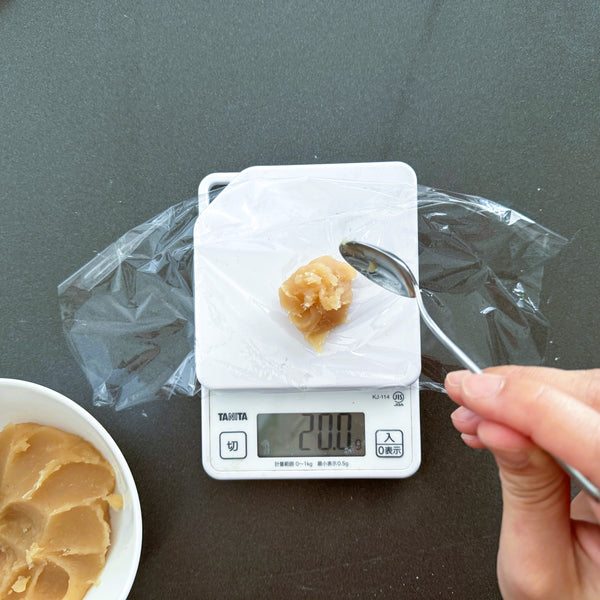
(240, 416)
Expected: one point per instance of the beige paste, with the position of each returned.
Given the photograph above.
(317, 297)
(55, 492)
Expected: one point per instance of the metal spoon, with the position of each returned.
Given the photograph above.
(393, 274)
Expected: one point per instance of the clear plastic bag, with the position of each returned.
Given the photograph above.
(128, 315)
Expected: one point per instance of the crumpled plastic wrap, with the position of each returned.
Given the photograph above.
(128, 314)
(481, 267)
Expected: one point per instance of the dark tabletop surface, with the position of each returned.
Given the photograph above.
(111, 112)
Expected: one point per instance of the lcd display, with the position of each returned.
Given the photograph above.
(311, 434)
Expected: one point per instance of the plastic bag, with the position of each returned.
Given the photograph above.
(128, 315)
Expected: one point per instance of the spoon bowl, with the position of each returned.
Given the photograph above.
(393, 274)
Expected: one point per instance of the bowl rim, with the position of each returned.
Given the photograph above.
(119, 457)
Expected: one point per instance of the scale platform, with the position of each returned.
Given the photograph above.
(271, 407)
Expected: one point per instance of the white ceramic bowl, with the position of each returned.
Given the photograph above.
(22, 401)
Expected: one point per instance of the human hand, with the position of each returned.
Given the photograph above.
(549, 547)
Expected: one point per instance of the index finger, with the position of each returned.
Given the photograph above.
(581, 384)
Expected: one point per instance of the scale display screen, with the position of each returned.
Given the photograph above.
(311, 434)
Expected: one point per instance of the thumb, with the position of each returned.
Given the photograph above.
(536, 531)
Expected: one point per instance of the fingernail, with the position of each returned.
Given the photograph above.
(484, 385)
(471, 440)
(455, 378)
(463, 414)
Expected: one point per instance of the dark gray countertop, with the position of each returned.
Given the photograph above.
(111, 112)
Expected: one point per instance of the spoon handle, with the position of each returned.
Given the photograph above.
(583, 481)
(440, 335)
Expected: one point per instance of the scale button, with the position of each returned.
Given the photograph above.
(389, 443)
(232, 444)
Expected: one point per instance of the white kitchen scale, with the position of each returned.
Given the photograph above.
(272, 408)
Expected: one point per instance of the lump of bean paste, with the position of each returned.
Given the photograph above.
(317, 297)
(55, 493)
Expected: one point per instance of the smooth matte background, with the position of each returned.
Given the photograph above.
(112, 111)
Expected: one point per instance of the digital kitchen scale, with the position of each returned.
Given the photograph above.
(272, 408)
